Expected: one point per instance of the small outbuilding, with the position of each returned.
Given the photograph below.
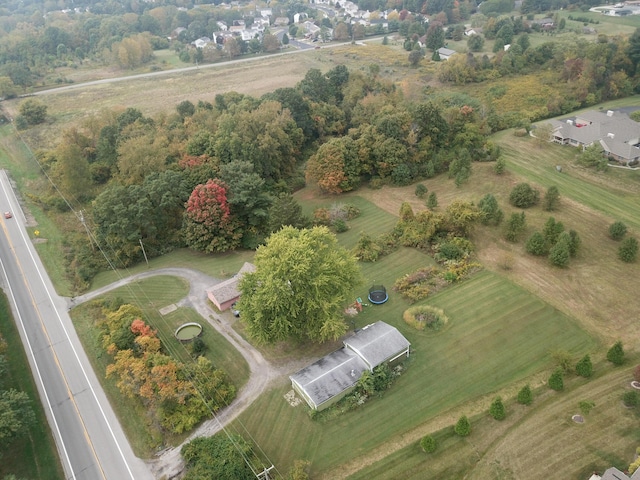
(326, 381)
(225, 293)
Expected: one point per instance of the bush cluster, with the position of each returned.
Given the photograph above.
(425, 316)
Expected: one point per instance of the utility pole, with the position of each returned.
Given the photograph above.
(144, 253)
(264, 475)
(84, 224)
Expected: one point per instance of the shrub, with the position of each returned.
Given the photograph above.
(421, 190)
(428, 444)
(376, 183)
(425, 316)
(449, 251)
(631, 398)
(628, 251)
(497, 410)
(556, 382)
(616, 353)
(417, 285)
(584, 367)
(462, 427)
(367, 249)
(340, 226)
(525, 396)
(523, 196)
(586, 406)
(562, 359)
(617, 230)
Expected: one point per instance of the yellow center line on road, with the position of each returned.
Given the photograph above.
(55, 355)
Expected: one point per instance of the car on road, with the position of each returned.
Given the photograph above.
(8, 215)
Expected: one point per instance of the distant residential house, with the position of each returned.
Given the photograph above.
(379, 22)
(281, 21)
(176, 32)
(473, 31)
(222, 26)
(223, 294)
(446, 53)
(310, 28)
(326, 381)
(266, 13)
(298, 17)
(617, 134)
(201, 42)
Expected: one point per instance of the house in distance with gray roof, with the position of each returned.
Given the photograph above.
(617, 134)
(326, 381)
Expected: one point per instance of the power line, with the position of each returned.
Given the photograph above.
(167, 343)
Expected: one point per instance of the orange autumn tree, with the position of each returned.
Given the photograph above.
(176, 395)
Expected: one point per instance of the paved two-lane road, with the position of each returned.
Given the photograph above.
(90, 441)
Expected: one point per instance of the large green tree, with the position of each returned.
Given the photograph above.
(302, 281)
(222, 456)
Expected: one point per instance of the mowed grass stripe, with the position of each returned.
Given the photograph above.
(485, 348)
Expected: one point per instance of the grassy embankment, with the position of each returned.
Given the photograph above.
(151, 295)
(34, 455)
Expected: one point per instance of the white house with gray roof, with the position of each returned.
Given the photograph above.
(614, 474)
(617, 134)
(333, 376)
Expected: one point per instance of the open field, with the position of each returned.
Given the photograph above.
(150, 295)
(500, 329)
(35, 454)
(500, 450)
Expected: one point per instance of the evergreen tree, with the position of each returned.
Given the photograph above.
(497, 409)
(584, 367)
(616, 353)
(491, 212)
(525, 396)
(551, 199)
(559, 254)
(574, 244)
(463, 427)
(500, 166)
(552, 231)
(428, 444)
(432, 201)
(515, 227)
(617, 230)
(556, 381)
(628, 251)
(536, 245)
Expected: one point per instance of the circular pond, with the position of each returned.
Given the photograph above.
(188, 331)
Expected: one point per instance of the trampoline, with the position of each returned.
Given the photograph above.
(378, 294)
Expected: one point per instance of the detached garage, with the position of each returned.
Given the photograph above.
(225, 293)
(326, 381)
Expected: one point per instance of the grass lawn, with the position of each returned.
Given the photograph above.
(35, 454)
(498, 334)
(150, 295)
(221, 265)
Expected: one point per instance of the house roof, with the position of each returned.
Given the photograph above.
(614, 474)
(228, 289)
(615, 131)
(330, 376)
(446, 51)
(364, 350)
(377, 343)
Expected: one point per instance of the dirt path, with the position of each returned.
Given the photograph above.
(169, 464)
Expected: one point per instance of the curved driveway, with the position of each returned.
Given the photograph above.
(169, 463)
